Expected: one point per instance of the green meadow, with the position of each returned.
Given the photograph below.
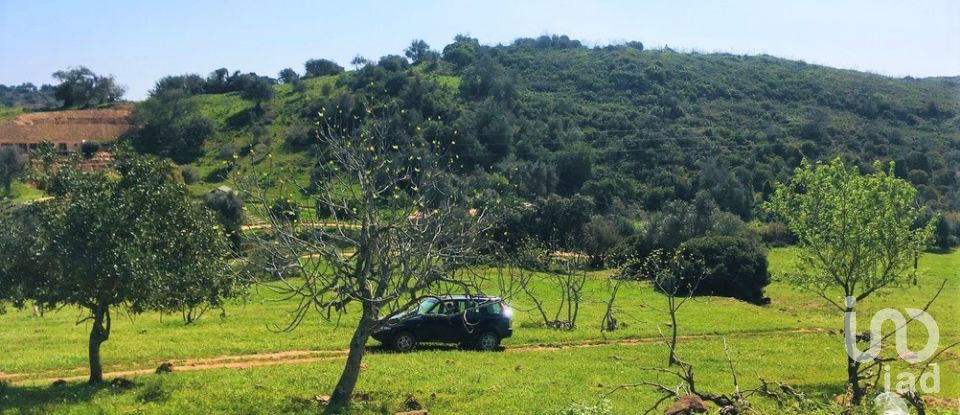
(796, 339)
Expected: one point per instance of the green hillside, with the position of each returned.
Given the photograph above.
(630, 129)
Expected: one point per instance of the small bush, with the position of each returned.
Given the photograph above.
(285, 209)
(228, 152)
(153, 392)
(89, 148)
(733, 267)
(218, 175)
(300, 138)
(776, 234)
(190, 174)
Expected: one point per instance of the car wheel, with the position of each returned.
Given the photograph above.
(404, 342)
(488, 341)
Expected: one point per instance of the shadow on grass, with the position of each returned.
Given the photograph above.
(822, 392)
(35, 399)
(438, 347)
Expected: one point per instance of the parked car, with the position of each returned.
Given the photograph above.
(472, 321)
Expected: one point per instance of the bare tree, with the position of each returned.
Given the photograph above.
(687, 393)
(676, 274)
(869, 373)
(564, 273)
(609, 322)
(397, 233)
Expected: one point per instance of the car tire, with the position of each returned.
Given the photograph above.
(404, 342)
(488, 341)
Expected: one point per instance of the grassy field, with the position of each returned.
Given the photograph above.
(796, 339)
(23, 193)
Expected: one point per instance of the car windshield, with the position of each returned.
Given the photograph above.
(426, 305)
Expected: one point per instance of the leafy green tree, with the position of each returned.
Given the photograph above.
(228, 206)
(462, 52)
(288, 76)
(171, 126)
(488, 78)
(191, 84)
(359, 61)
(855, 234)
(602, 234)
(80, 87)
(257, 89)
(419, 51)
(131, 240)
(13, 162)
(321, 67)
(575, 167)
(217, 81)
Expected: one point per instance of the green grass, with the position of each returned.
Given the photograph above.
(9, 113)
(763, 340)
(22, 193)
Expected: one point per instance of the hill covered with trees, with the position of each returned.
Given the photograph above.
(580, 145)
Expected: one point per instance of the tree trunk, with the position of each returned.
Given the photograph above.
(609, 322)
(673, 336)
(853, 379)
(99, 333)
(343, 392)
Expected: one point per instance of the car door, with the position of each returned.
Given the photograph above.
(430, 325)
(457, 330)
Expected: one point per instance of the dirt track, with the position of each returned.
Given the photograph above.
(309, 356)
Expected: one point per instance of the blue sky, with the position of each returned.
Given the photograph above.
(141, 41)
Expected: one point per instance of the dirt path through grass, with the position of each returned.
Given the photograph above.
(309, 356)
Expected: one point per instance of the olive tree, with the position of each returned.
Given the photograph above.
(81, 87)
(856, 235)
(397, 233)
(257, 89)
(320, 67)
(227, 204)
(130, 239)
(12, 163)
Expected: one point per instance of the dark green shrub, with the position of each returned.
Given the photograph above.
(776, 234)
(285, 210)
(152, 392)
(321, 67)
(300, 137)
(228, 206)
(733, 267)
(190, 174)
(228, 152)
(89, 148)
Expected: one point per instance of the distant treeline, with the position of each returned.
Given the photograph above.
(28, 95)
(79, 87)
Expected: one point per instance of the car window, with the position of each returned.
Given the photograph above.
(453, 307)
(492, 308)
(428, 306)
